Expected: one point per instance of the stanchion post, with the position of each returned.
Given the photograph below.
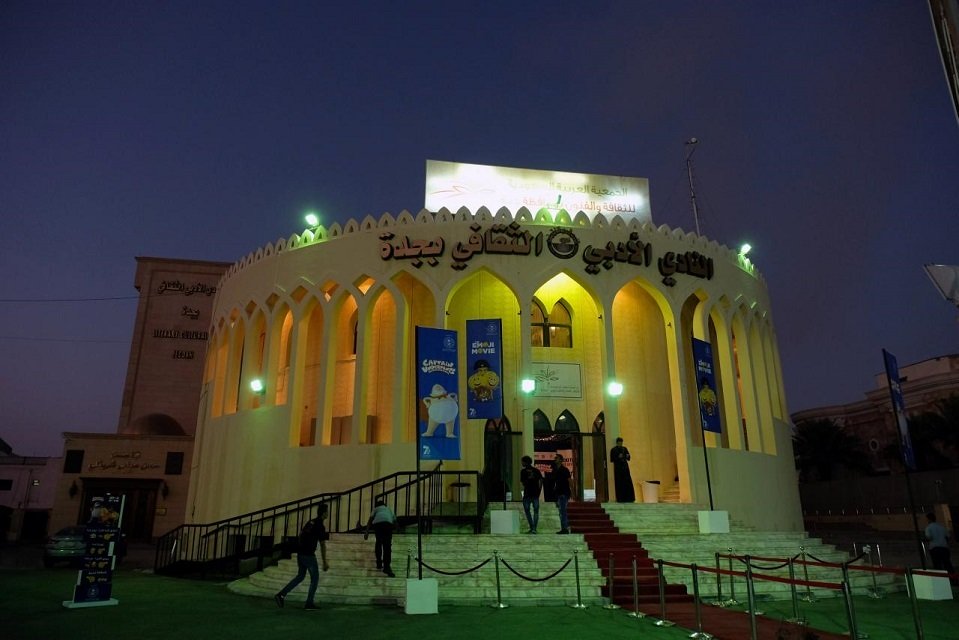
(719, 584)
(662, 622)
(805, 570)
(874, 593)
(915, 604)
(796, 619)
(850, 605)
(636, 613)
(699, 634)
(499, 593)
(751, 600)
(609, 585)
(850, 613)
(732, 583)
(409, 561)
(579, 597)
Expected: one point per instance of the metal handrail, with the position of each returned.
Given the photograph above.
(217, 548)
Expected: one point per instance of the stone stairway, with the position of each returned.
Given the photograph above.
(354, 579)
(613, 550)
(671, 532)
(650, 531)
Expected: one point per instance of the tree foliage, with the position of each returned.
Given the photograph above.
(821, 448)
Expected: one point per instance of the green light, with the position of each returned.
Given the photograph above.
(312, 219)
(257, 386)
(527, 385)
(614, 389)
(746, 248)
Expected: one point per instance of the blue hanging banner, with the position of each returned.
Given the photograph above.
(484, 366)
(437, 379)
(899, 406)
(706, 385)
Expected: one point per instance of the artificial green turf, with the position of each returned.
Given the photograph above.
(158, 607)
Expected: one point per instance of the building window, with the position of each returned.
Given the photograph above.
(174, 463)
(6, 484)
(553, 330)
(73, 462)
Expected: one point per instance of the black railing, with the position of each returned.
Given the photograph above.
(218, 549)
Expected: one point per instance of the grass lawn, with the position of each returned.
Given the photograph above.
(158, 607)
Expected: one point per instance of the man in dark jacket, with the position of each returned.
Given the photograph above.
(313, 532)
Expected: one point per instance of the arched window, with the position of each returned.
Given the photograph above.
(553, 330)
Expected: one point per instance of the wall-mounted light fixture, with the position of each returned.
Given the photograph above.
(73, 490)
(527, 385)
(164, 489)
(257, 386)
(312, 219)
(614, 388)
(746, 248)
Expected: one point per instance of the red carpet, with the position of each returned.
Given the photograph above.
(605, 540)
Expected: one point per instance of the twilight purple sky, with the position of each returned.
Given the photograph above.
(205, 130)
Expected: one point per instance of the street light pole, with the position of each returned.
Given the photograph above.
(691, 143)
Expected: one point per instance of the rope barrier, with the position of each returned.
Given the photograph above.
(527, 578)
(454, 573)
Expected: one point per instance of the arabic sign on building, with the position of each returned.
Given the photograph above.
(453, 185)
(513, 240)
(557, 380)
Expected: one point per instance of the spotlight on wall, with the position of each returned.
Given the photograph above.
(746, 248)
(614, 389)
(164, 489)
(527, 385)
(257, 386)
(312, 219)
(73, 490)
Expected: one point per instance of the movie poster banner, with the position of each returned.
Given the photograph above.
(899, 406)
(706, 386)
(437, 403)
(484, 365)
(95, 579)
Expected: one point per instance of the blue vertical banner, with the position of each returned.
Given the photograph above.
(899, 406)
(484, 366)
(706, 386)
(95, 579)
(437, 403)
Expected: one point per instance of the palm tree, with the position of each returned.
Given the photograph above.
(821, 447)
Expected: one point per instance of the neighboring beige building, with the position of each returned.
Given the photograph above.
(149, 458)
(27, 485)
(326, 319)
(923, 384)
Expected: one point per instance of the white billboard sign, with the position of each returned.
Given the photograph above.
(454, 185)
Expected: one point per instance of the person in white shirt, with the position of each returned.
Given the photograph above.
(382, 520)
(938, 539)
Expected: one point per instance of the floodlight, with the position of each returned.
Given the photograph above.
(312, 219)
(527, 385)
(746, 248)
(615, 389)
(257, 386)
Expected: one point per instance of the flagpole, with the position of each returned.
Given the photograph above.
(419, 484)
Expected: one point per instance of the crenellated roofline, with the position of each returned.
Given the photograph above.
(544, 217)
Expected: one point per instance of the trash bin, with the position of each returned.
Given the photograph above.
(651, 491)
(459, 490)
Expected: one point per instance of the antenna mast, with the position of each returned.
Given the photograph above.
(691, 143)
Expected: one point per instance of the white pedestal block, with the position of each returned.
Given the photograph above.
(504, 521)
(714, 522)
(422, 596)
(932, 587)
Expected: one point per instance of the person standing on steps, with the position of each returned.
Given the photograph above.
(623, 481)
(532, 481)
(562, 490)
(938, 539)
(382, 520)
(313, 533)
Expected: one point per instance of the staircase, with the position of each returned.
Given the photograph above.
(607, 545)
(354, 579)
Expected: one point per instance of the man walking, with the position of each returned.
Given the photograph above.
(562, 490)
(938, 539)
(313, 532)
(532, 481)
(382, 520)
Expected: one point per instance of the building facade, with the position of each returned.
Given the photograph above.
(149, 458)
(327, 321)
(27, 485)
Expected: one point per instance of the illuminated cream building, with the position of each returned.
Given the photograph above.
(588, 290)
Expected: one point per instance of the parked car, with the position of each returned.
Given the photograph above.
(66, 545)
